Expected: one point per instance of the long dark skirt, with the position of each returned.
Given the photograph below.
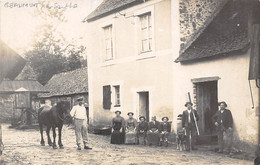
(117, 137)
(153, 138)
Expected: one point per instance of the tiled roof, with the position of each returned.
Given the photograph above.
(8, 86)
(110, 6)
(11, 63)
(67, 83)
(226, 34)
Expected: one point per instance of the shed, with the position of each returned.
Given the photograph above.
(22, 92)
(67, 86)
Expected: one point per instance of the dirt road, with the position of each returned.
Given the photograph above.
(23, 147)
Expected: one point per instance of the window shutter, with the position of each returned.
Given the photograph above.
(107, 97)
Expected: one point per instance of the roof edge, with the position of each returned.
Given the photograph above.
(90, 18)
(60, 95)
(243, 49)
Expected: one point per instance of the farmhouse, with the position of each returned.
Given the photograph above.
(146, 56)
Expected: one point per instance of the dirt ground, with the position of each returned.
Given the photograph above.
(23, 147)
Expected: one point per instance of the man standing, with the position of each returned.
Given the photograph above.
(78, 113)
(188, 123)
(224, 122)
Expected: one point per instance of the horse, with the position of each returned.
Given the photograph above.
(52, 118)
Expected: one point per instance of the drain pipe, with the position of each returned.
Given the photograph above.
(258, 114)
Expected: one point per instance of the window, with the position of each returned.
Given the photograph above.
(111, 97)
(117, 96)
(146, 32)
(108, 42)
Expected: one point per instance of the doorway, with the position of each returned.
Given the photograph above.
(207, 106)
(144, 104)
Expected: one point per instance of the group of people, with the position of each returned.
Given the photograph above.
(222, 119)
(156, 133)
(130, 131)
(147, 133)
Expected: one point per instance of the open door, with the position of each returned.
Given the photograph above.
(144, 104)
(207, 106)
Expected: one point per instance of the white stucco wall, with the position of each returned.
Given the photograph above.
(233, 87)
(129, 70)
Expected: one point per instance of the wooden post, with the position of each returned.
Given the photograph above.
(28, 111)
(195, 120)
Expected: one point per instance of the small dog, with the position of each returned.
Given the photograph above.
(181, 140)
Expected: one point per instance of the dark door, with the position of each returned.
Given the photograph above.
(144, 104)
(207, 105)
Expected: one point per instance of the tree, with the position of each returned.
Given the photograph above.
(51, 53)
(74, 59)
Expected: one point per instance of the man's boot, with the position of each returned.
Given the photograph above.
(87, 147)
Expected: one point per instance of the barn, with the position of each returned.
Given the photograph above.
(66, 86)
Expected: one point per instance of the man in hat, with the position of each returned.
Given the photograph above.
(189, 125)
(78, 113)
(224, 122)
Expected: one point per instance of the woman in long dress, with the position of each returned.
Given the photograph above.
(130, 129)
(118, 132)
(142, 129)
(153, 133)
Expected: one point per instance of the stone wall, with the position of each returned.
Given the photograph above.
(195, 15)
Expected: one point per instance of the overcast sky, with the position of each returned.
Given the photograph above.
(18, 25)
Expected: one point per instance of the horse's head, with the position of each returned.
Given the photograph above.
(64, 109)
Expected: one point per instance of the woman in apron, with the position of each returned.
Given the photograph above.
(130, 132)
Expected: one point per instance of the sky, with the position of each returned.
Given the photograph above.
(19, 23)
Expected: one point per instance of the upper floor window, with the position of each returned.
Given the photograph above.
(108, 42)
(145, 32)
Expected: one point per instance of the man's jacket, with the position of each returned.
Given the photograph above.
(226, 117)
(185, 118)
